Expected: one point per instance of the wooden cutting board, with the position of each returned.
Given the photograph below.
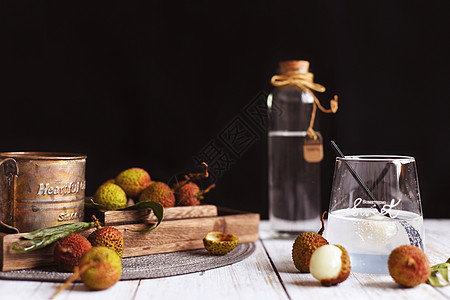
(111, 217)
(183, 228)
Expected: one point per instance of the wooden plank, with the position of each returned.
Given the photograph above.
(187, 234)
(252, 278)
(121, 290)
(171, 236)
(437, 240)
(15, 289)
(12, 260)
(141, 216)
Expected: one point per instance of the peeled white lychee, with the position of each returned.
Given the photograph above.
(375, 231)
(330, 264)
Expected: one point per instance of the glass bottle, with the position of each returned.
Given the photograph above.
(294, 183)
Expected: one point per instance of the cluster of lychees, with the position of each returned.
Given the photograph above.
(96, 259)
(135, 183)
(330, 264)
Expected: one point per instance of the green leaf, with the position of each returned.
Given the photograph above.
(43, 237)
(158, 211)
(145, 204)
(439, 274)
(73, 227)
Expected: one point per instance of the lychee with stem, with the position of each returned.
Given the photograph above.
(305, 245)
(105, 268)
(189, 194)
(99, 269)
(107, 236)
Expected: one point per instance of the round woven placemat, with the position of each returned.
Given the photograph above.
(150, 266)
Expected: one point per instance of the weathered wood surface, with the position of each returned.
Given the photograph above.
(142, 216)
(171, 236)
(252, 278)
(267, 274)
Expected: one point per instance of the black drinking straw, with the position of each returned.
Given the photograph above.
(355, 175)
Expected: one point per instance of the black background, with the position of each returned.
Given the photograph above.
(149, 84)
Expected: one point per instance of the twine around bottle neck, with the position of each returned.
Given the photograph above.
(305, 81)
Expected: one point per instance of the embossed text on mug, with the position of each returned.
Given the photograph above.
(65, 216)
(68, 188)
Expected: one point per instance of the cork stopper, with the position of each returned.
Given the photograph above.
(301, 66)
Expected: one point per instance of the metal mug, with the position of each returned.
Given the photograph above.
(41, 189)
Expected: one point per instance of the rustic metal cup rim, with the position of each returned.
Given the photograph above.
(43, 155)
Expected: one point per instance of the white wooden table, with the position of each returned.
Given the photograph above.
(267, 274)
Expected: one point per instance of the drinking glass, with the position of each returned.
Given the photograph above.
(375, 207)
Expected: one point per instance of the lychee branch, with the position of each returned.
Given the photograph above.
(193, 177)
(322, 229)
(198, 176)
(76, 274)
(201, 193)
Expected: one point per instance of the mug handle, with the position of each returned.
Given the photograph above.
(11, 172)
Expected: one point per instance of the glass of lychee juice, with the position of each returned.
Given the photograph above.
(375, 207)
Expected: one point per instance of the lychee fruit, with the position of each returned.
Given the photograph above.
(409, 266)
(108, 237)
(189, 193)
(219, 243)
(99, 269)
(159, 192)
(105, 268)
(110, 196)
(305, 245)
(133, 181)
(330, 264)
(69, 250)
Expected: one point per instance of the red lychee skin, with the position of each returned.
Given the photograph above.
(304, 246)
(187, 194)
(108, 237)
(409, 266)
(69, 250)
(159, 192)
